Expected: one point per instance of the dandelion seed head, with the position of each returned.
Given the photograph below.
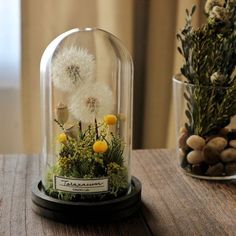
(72, 67)
(93, 104)
(73, 72)
(90, 101)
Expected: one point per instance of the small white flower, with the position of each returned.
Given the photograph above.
(211, 3)
(219, 13)
(92, 100)
(217, 78)
(71, 67)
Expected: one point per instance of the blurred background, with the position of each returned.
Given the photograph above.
(146, 27)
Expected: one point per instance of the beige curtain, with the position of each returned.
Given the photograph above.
(163, 61)
(41, 22)
(44, 20)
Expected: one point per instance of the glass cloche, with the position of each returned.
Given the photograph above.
(86, 105)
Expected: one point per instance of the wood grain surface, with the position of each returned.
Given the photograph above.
(173, 204)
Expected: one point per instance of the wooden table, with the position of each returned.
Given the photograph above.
(173, 204)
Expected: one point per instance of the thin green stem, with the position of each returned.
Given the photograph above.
(61, 125)
(96, 129)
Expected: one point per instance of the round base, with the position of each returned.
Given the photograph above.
(77, 212)
(214, 178)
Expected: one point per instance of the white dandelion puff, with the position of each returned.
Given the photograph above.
(71, 67)
(92, 100)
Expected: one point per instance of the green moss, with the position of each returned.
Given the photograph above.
(117, 178)
(76, 159)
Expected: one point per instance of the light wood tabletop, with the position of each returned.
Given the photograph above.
(172, 203)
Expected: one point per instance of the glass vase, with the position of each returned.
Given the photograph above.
(86, 106)
(206, 131)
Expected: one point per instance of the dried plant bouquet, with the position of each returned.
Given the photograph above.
(207, 143)
(90, 152)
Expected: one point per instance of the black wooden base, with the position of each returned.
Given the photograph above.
(77, 212)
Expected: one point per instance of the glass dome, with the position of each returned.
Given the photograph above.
(86, 106)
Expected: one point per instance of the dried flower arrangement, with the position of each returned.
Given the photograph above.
(207, 145)
(90, 148)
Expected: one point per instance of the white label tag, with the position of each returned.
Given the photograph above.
(80, 185)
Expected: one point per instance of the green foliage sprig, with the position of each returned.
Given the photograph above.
(209, 54)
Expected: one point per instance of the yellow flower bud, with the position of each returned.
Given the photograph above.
(110, 119)
(100, 146)
(62, 138)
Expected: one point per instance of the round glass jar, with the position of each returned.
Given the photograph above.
(86, 105)
(206, 132)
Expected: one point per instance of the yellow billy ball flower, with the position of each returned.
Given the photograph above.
(62, 138)
(110, 119)
(100, 146)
